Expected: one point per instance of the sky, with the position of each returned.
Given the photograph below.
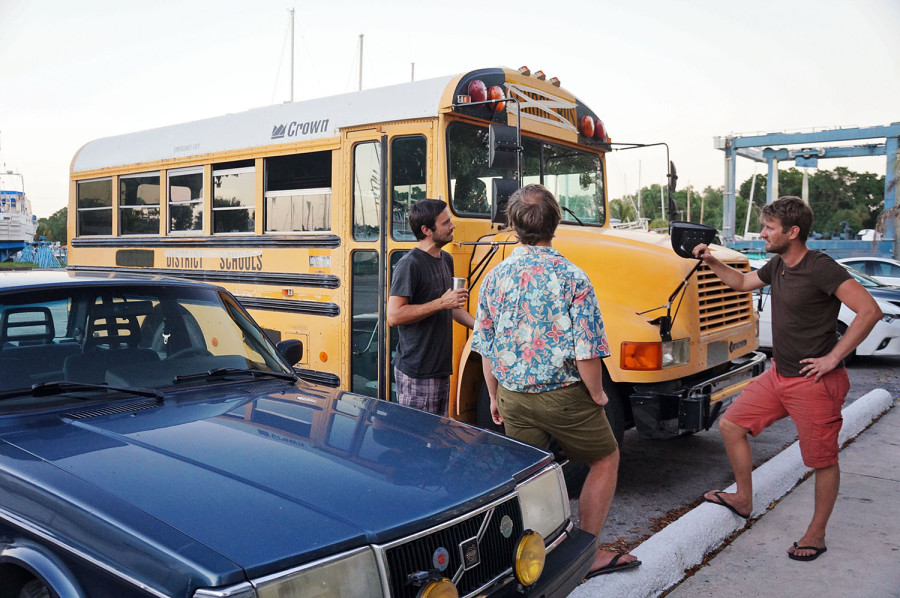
(675, 71)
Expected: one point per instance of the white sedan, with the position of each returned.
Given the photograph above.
(884, 269)
(883, 340)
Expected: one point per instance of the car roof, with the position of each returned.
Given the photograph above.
(33, 279)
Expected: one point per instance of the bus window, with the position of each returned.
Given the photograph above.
(364, 323)
(408, 183)
(576, 179)
(94, 201)
(366, 191)
(139, 204)
(186, 200)
(470, 177)
(233, 197)
(298, 192)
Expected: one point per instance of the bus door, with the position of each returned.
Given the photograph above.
(389, 173)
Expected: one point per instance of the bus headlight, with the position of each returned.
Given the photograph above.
(544, 502)
(530, 555)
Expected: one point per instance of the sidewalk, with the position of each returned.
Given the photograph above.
(863, 557)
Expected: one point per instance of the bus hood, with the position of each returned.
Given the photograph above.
(250, 483)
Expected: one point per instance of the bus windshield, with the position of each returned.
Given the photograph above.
(574, 176)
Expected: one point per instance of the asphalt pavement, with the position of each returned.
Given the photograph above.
(711, 552)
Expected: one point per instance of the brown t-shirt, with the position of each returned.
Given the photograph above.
(804, 308)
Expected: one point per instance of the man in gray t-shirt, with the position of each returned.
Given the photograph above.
(422, 305)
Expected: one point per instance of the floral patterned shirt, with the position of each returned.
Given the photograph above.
(537, 315)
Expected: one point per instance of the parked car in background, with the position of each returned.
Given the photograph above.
(154, 443)
(883, 269)
(885, 336)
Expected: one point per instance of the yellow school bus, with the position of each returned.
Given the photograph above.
(300, 209)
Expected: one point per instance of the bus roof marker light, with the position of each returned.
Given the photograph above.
(600, 130)
(540, 75)
(587, 126)
(478, 91)
(555, 81)
(496, 93)
(525, 71)
(463, 99)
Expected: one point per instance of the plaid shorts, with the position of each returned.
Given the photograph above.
(427, 394)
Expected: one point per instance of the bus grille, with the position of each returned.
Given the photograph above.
(720, 306)
(495, 550)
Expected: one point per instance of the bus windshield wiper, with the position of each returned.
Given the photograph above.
(573, 215)
(222, 372)
(59, 387)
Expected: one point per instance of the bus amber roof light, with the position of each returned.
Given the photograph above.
(525, 71)
(496, 93)
(478, 91)
(599, 130)
(540, 75)
(587, 126)
(554, 81)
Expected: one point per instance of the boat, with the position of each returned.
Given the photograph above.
(17, 222)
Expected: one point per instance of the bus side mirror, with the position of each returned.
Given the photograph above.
(503, 147)
(291, 349)
(502, 191)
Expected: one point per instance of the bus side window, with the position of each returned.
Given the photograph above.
(408, 181)
(366, 191)
(298, 192)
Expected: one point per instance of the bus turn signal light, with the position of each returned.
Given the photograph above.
(642, 356)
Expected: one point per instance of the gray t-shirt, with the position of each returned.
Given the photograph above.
(424, 347)
(804, 308)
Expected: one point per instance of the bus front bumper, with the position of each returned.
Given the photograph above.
(664, 411)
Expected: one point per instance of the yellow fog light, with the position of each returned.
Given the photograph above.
(442, 588)
(530, 555)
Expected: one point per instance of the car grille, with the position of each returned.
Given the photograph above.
(720, 306)
(495, 549)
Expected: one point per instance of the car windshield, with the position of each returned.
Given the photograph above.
(863, 279)
(76, 342)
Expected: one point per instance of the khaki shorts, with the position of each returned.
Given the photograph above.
(567, 414)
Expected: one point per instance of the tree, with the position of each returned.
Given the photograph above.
(53, 228)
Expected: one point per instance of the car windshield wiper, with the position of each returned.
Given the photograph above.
(221, 372)
(59, 387)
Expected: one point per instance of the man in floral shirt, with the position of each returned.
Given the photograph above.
(540, 334)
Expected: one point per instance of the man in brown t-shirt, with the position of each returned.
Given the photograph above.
(807, 379)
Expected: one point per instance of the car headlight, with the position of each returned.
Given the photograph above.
(544, 501)
(889, 317)
(353, 575)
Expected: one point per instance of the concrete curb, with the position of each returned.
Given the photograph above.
(683, 544)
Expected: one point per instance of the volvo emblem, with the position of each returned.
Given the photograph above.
(469, 554)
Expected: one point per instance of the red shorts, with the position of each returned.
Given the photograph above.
(815, 408)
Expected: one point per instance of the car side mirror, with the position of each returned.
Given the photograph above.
(291, 349)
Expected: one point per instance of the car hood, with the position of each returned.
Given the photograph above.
(268, 477)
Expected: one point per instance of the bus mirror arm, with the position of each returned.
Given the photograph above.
(666, 322)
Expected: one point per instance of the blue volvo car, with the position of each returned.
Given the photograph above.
(154, 443)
